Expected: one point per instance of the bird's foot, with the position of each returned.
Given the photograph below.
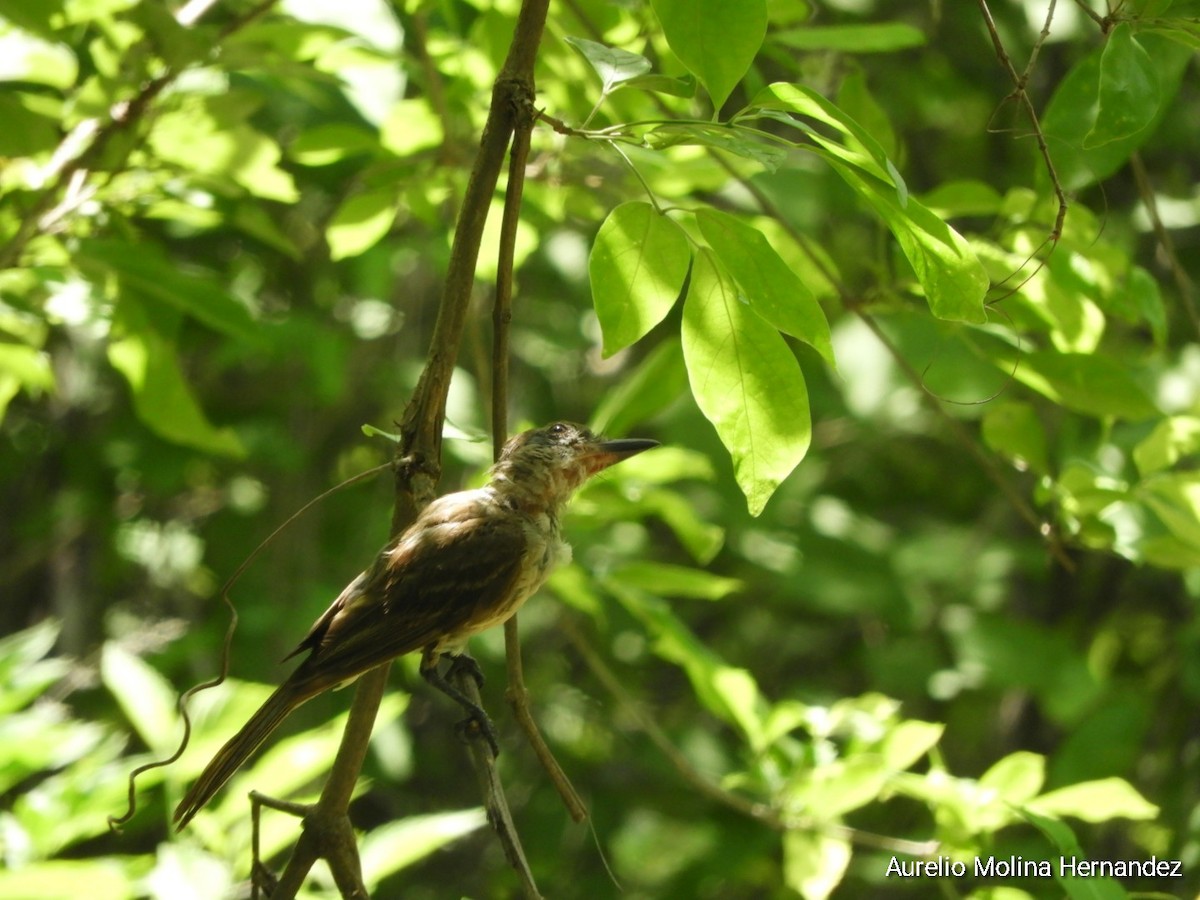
(462, 663)
(478, 725)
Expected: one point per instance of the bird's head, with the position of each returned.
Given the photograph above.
(545, 465)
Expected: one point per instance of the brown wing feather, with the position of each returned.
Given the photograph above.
(450, 569)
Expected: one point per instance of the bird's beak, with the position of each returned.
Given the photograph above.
(607, 453)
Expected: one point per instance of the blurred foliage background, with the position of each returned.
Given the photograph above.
(967, 617)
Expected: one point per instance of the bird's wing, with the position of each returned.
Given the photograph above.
(456, 564)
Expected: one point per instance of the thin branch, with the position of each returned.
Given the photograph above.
(515, 692)
(1022, 96)
(1183, 281)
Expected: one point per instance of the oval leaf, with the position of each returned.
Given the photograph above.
(1129, 89)
(715, 39)
(746, 382)
(772, 289)
(637, 268)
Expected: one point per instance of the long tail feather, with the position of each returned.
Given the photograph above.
(239, 748)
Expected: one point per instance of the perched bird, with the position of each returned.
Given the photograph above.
(467, 563)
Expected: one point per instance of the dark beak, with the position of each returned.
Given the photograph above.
(606, 453)
(626, 447)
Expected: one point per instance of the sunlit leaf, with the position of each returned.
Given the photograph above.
(715, 39)
(746, 381)
(1088, 383)
(909, 741)
(1095, 801)
(1172, 439)
(612, 64)
(400, 843)
(410, 127)
(950, 273)
(814, 863)
(161, 396)
(675, 581)
(361, 221)
(873, 37)
(1017, 777)
(637, 267)
(330, 143)
(148, 272)
(146, 698)
(771, 288)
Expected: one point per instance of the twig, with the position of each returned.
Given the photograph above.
(515, 692)
(1022, 96)
(495, 803)
(1183, 281)
(227, 644)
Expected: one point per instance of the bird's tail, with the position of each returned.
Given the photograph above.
(239, 748)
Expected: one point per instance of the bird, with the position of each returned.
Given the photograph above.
(467, 563)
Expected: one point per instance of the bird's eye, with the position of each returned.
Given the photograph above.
(558, 428)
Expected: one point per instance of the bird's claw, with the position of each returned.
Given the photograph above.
(465, 664)
(479, 725)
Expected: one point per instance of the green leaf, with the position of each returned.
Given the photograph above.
(953, 278)
(1172, 439)
(1129, 91)
(361, 221)
(637, 268)
(746, 381)
(25, 131)
(771, 288)
(1072, 113)
(1017, 777)
(785, 99)
(1093, 385)
(813, 863)
(389, 848)
(24, 57)
(1076, 887)
(908, 742)
(612, 64)
(664, 580)
(836, 788)
(715, 39)
(161, 396)
(700, 538)
(727, 692)
(410, 127)
(1014, 430)
(665, 84)
(330, 143)
(881, 37)
(739, 141)
(209, 138)
(1096, 801)
(1175, 499)
(146, 698)
(23, 367)
(146, 270)
(655, 383)
(106, 878)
